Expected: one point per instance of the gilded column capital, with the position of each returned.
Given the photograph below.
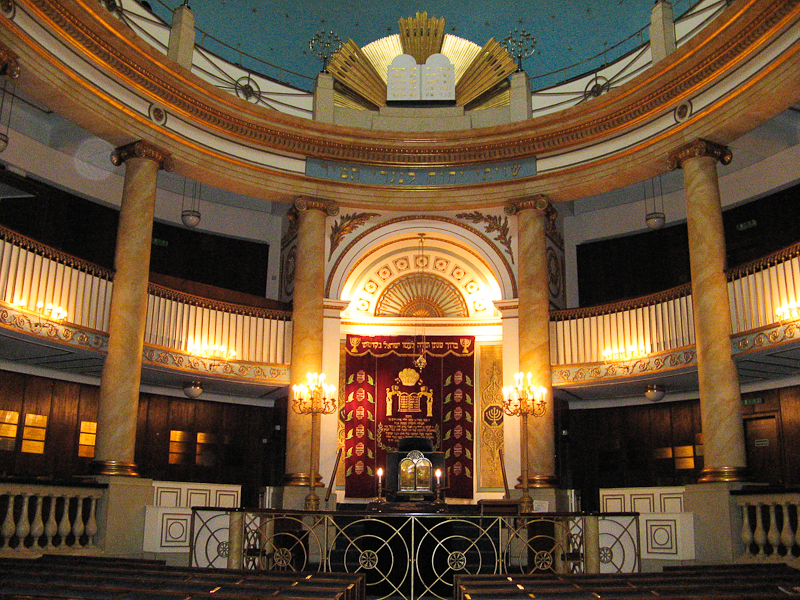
(696, 149)
(304, 203)
(142, 149)
(537, 202)
(9, 63)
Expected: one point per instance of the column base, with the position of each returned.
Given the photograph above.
(539, 481)
(722, 474)
(301, 480)
(114, 467)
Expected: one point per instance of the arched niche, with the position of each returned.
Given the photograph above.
(386, 271)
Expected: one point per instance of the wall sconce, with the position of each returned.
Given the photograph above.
(654, 393)
(48, 312)
(788, 312)
(613, 355)
(192, 389)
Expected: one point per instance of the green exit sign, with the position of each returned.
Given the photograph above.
(752, 401)
(746, 225)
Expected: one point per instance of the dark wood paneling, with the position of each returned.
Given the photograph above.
(790, 421)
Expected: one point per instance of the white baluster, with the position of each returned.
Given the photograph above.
(773, 535)
(77, 525)
(747, 531)
(8, 528)
(759, 535)
(37, 526)
(797, 533)
(91, 522)
(23, 525)
(787, 537)
(51, 527)
(63, 525)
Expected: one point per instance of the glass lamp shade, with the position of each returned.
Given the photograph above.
(655, 220)
(192, 389)
(190, 218)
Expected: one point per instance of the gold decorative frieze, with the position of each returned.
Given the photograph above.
(650, 364)
(696, 149)
(278, 374)
(347, 224)
(58, 332)
(304, 203)
(142, 149)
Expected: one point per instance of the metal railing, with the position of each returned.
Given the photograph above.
(414, 555)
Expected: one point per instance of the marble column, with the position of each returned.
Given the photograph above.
(534, 331)
(720, 399)
(307, 332)
(119, 384)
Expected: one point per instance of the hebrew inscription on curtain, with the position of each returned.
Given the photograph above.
(388, 398)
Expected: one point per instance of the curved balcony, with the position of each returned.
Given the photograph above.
(245, 350)
(230, 348)
(651, 339)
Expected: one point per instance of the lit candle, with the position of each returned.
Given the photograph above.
(438, 478)
(380, 478)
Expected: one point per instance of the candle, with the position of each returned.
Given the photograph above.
(438, 478)
(380, 478)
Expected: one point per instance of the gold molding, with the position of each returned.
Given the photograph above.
(696, 149)
(302, 479)
(114, 467)
(722, 474)
(142, 149)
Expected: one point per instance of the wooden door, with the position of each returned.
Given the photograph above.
(763, 453)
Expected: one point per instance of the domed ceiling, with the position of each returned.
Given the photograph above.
(567, 33)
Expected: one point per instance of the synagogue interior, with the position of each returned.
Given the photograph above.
(439, 266)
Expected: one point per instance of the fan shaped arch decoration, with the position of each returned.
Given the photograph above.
(421, 295)
(480, 72)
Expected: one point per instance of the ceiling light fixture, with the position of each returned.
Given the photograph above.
(192, 389)
(655, 392)
(654, 219)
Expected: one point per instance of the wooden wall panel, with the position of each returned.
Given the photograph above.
(12, 389)
(790, 425)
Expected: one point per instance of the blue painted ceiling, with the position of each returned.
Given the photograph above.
(278, 31)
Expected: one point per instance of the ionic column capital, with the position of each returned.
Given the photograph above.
(142, 149)
(696, 149)
(304, 203)
(538, 202)
(9, 63)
